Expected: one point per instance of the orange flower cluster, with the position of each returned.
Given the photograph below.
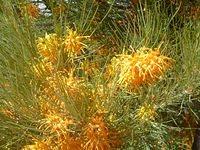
(50, 46)
(56, 123)
(60, 86)
(53, 88)
(31, 10)
(148, 67)
(144, 67)
(69, 143)
(97, 134)
(73, 45)
(58, 134)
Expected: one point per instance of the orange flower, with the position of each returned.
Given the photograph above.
(56, 123)
(73, 45)
(70, 142)
(148, 67)
(97, 134)
(58, 134)
(48, 47)
(144, 67)
(31, 10)
(51, 44)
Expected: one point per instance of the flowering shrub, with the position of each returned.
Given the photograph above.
(80, 75)
(143, 68)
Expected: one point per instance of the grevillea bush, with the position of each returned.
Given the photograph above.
(99, 75)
